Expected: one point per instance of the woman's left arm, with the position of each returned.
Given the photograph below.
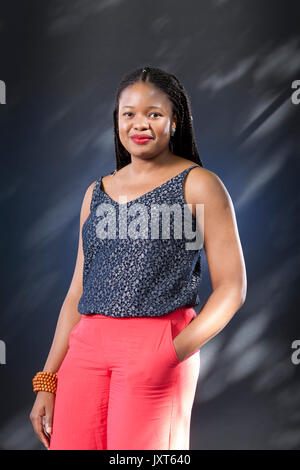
(224, 257)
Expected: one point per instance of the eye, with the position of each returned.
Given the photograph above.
(158, 114)
(128, 112)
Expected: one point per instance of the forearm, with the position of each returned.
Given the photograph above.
(67, 319)
(220, 307)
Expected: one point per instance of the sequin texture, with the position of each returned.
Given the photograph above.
(143, 276)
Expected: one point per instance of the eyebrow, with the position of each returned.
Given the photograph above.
(148, 107)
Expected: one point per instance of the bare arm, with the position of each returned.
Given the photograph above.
(69, 314)
(225, 260)
(44, 403)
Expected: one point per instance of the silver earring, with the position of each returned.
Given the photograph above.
(173, 131)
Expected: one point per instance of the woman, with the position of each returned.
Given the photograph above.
(125, 358)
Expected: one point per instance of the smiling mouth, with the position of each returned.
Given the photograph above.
(141, 140)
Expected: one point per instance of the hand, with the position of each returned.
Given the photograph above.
(180, 354)
(43, 410)
(185, 341)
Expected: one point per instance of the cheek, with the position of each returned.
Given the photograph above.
(122, 126)
(123, 132)
(165, 129)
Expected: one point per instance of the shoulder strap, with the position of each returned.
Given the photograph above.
(190, 167)
(182, 179)
(185, 172)
(96, 193)
(198, 265)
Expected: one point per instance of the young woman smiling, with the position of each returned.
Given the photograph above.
(125, 357)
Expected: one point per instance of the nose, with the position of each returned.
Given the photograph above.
(141, 123)
(141, 126)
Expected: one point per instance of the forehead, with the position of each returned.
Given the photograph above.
(144, 95)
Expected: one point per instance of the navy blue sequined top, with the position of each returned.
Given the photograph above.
(137, 263)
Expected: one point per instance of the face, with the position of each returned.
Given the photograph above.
(145, 110)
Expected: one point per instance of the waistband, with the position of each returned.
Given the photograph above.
(177, 313)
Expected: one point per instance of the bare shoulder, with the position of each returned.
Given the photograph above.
(87, 199)
(205, 186)
(89, 192)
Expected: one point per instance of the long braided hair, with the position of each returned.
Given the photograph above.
(183, 141)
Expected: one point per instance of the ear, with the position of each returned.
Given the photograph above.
(174, 120)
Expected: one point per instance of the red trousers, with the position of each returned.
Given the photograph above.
(121, 385)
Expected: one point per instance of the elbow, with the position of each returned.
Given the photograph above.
(236, 291)
(242, 299)
(241, 293)
(243, 288)
(239, 286)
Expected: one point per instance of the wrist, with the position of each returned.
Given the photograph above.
(45, 381)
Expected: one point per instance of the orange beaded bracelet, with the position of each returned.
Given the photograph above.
(45, 381)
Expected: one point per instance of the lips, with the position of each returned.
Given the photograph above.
(140, 139)
(141, 136)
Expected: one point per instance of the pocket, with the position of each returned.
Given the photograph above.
(173, 353)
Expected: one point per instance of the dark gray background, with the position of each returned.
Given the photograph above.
(61, 62)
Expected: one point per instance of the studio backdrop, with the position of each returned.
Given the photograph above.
(239, 61)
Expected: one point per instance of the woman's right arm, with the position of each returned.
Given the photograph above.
(69, 314)
(68, 317)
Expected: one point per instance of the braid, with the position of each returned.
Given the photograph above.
(183, 142)
(145, 71)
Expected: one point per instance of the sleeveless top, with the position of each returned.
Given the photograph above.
(132, 269)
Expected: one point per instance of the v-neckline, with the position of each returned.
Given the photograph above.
(145, 194)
